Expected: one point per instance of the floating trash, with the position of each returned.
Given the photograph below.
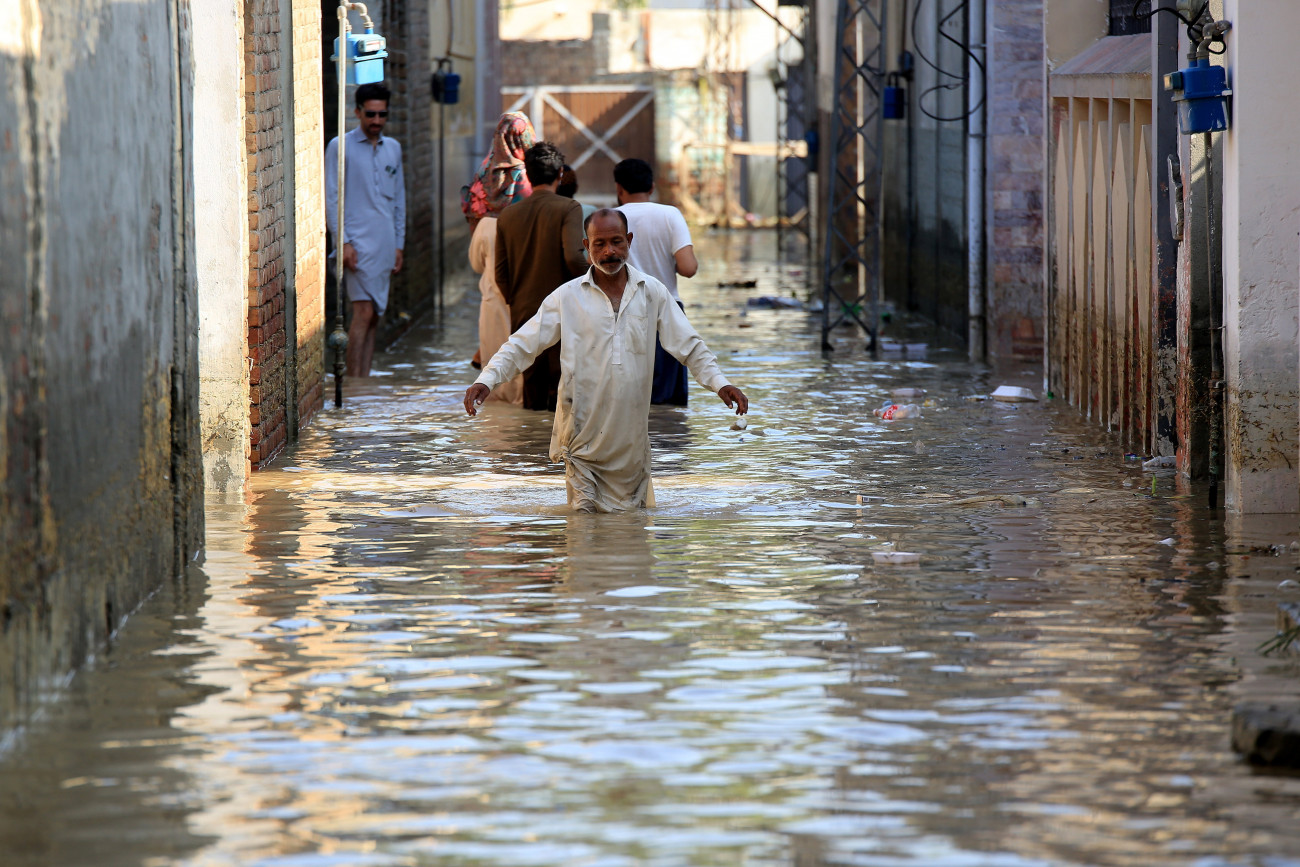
(775, 302)
(898, 411)
(895, 558)
(1013, 394)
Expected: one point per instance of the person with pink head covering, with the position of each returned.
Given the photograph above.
(500, 181)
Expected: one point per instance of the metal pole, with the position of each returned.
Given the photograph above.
(1216, 328)
(781, 109)
(438, 202)
(339, 338)
(975, 286)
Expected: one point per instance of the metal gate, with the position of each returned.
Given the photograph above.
(594, 126)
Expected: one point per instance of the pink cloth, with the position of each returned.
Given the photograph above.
(500, 180)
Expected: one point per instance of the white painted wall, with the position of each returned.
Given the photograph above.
(221, 242)
(1261, 258)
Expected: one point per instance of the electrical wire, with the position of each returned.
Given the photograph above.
(961, 81)
(1191, 23)
(451, 26)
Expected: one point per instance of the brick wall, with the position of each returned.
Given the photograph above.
(264, 51)
(309, 209)
(286, 221)
(567, 62)
(1014, 188)
(407, 72)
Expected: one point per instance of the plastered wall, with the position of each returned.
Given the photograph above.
(99, 470)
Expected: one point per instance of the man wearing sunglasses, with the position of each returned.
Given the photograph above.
(374, 217)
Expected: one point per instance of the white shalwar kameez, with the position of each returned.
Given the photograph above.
(601, 430)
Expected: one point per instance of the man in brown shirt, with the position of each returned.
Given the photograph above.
(539, 248)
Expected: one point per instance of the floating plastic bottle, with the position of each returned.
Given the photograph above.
(897, 411)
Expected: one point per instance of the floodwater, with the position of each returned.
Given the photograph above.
(401, 650)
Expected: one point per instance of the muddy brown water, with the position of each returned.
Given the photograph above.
(401, 650)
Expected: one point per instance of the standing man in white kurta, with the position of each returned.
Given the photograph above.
(605, 322)
(374, 219)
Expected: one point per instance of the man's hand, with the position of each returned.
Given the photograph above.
(477, 393)
(349, 257)
(397, 264)
(731, 395)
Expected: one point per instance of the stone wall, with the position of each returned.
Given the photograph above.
(265, 49)
(100, 486)
(308, 211)
(408, 71)
(1014, 203)
(565, 62)
(285, 221)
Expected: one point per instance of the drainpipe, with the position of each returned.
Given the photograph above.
(975, 107)
(1210, 33)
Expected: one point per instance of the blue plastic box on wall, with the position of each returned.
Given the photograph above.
(367, 52)
(1201, 93)
(893, 103)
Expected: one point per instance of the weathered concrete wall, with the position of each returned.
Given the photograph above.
(99, 471)
(1261, 259)
(221, 241)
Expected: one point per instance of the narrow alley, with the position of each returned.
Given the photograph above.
(401, 649)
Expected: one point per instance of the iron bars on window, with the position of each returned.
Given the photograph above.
(852, 264)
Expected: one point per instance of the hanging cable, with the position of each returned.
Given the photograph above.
(451, 27)
(960, 81)
(1193, 24)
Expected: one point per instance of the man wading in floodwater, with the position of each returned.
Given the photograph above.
(606, 322)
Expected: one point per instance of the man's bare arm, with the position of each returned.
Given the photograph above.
(687, 264)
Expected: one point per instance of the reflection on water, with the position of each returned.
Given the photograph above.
(402, 650)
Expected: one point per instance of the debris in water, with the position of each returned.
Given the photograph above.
(1171, 541)
(1002, 499)
(775, 302)
(895, 411)
(738, 284)
(907, 392)
(895, 558)
(1013, 394)
(740, 423)
(1164, 462)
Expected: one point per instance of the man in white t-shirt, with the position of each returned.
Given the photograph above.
(663, 250)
